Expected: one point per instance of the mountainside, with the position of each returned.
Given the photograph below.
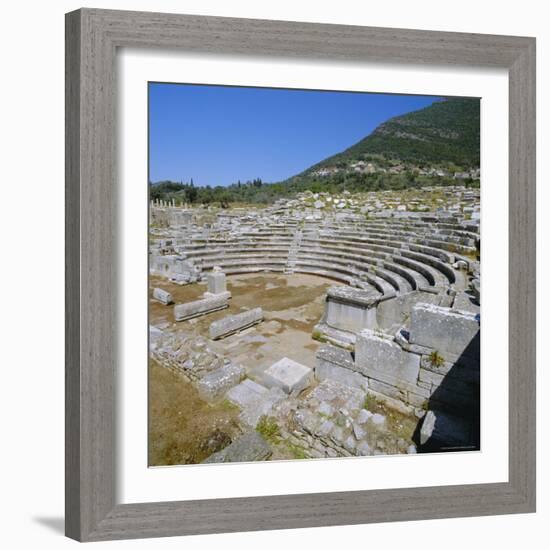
(435, 146)
(445, 133)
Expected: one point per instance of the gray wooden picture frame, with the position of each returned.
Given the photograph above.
(92, 39)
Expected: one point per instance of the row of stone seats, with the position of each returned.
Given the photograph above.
(459, 245)
(458, 229)
(279, 241)
(409, 270)
(457, 233)
(393, 256)
(401, 278)
(426, 255)
(442, 240)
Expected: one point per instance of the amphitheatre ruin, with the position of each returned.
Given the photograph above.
(320, 326)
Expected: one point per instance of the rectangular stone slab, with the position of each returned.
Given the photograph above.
(215, 384)
(234, 323)
(246, 393)
(290, 376)
(162, 296)
(450, 332)
(182, 312)
(382, 359)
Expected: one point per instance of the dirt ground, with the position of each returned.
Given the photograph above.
(292, 305)
(183, 429)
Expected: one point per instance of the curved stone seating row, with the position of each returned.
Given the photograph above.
(410, 270)
(355, 275)
(402, 279)
(372, 245)
(391, 255)
(458, 229)
(444, 245)
(381, 252)
(431, 239)
(463, 242)
(337, 256)
(343, 266)
(388, 246)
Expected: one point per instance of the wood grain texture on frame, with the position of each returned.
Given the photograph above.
(92, 38)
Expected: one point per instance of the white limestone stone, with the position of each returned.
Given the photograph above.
(162, 296)
(216, 282)
(382, 359)
(189, 310)
(234, 323)
(450, 332)
(213, 385)
(290, 376)
(363, 416)
(246, 393)
(363, 449)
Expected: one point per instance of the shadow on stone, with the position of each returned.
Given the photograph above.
(452, 422)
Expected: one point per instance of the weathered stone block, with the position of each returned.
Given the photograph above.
(451, 333)
(382, 359)
(246, 393)
(162, 296)
(290, 376)
(216, 282)
(154, 334)
(351, 309)
(325, 370)
(234, 323)
(182, 312)
(338, 396)
(263, 406)
(250, 447)
(215, 384)
(254, 400)
(387, 390)
(337, 364)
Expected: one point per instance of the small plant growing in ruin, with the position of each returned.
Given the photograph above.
(268, 428)
(316, 335)
(370, 402)
(296, 451)
(436, 359)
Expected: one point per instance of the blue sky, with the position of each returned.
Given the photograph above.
(220, 134)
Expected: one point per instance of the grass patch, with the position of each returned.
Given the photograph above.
(316, 335)
(435, 359)
(370, 402)
(269, 429)
(296, 451)
(226, 405)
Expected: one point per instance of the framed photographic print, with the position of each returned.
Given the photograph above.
(276, 237)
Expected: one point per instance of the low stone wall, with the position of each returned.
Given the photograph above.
(215, 384)
(436, 365)
(174, 267)
(337, 364)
